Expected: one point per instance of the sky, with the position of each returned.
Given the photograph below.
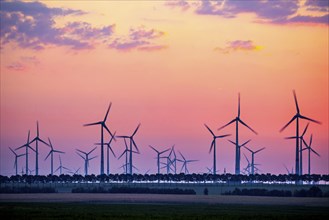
(171, 66)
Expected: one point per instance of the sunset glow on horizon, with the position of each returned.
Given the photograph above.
(171, 66)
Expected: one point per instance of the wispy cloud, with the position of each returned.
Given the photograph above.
(238, 45)
(31, 25)
(139, 38)
(16, 66)
(278, 11)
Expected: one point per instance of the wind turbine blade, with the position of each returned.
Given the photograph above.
(21, 155)
(21, 147)
(92, 150)
(305, 129)
(182, 155)
(28, 137)
(81, 151)
(296, 103)
(164, 151)
(232, 142)
(135, 145)
(227, 124)
(48, 154)
(30, 148)
(125, 143)
(209, 130)
(305, 142)
(248, 149)
(259, 150)
(13, 151)
(112, 151)
(112, 138)
(122, 136)
(58, 151)
(81, 156)
(292, 137)
(245, 143)
(136, 130)
(222, 136)
(315, 152)
(50, 145)
(309, 119)
(311, 139)
(65, 168)
(43, 142)
(57, 169)
(108, 130)
(154, 149)
(95, 123)
(211, 146)
(37, 129)
(122, 154)
(291, 120)
(189, 161)
(108, 109)
(247, 126)
(246, 158)
(92, 158)
(239, 105)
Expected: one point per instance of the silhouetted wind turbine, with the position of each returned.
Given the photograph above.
(61, 167)
(16, 156)
(125, 152)
(301, 141)
(213, 146)
(107, 152)
(51, 152)
(185, 162)
(296, 117)
(132, 142)
(27, 146)
(158, 156)
(86, 158)
(237, 120)
(171, 155)
(247, 168)
(289, 173)
(253, 158)
(309, 148)
(36, 140)
(103, 125)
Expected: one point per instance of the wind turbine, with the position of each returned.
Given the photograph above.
(125, 152)
(132, 142)
(108, 154)
(237, 120)
(289, 173)
(173, 159)
(86, 158)
(253, 158)
(168, 164)
(213, 146)
(36, 140)
(103, 125)
(296, 117)
(27, 146)
(16, 156)
(301, 141)
(61, 167)
(158, 156)
(51, 154)
(309, 148)
(247, 168)
(185, 162)
(239, 146)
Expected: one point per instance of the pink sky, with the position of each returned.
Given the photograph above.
(171, 67)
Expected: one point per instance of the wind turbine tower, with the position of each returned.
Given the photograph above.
(237, 120)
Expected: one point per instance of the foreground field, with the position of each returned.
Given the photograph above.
(156, 211)
(164, 199)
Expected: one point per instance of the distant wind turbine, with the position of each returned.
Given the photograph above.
(61, 167)
(86, 158)
(296, 117)
(131, 143)
(103, 125)
(301, 141)
(107, 152)
(309, 148)
(237, 120)
(213, 146)
(51, 152)
(16, 157)
(253, 158)
(185, 162)
(27, 146)
(158, 156)
(36, 140)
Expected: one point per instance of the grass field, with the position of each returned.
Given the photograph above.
(156, 211)
(154, 206)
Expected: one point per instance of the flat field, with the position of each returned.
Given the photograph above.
(151, 206)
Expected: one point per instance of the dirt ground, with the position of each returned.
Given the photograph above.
(164, 199)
